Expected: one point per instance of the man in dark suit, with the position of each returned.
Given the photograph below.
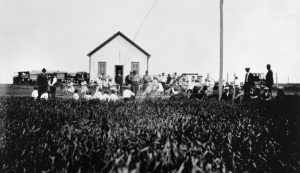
(249, 83)
(269, 78)
(128, 79)
(42, 82)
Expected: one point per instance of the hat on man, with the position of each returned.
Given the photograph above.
(247, 68)
(44, 70)
(266, 88)
(227, 88)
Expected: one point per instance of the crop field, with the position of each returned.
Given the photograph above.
(161, 135)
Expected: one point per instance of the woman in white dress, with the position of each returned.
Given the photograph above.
(159, 87)
(71, 88)
(84, 87)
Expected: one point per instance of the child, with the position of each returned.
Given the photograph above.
(45, 96)
(35, 93)
(88, 96)
(113, 96)
(84, 87)
(127, 93)
(148, 89)
(98, 94)
(160, 89)
(105, 96)
(76, 96)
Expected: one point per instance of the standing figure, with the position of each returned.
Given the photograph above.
(84, 87)
(128, 79)
(269, 78)
(146, 80)
(71, 88)
(249, 83)
(42, 82)
(163, 81)
(52, 84)
(119, 81)
(135, 79)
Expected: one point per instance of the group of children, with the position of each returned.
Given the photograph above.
(103, 94)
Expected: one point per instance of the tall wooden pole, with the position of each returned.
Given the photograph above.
(233, 95)
(221, 51)
(276, 81)
(89, 69)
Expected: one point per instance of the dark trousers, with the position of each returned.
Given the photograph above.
(42, 89)
(164, 86)
(270, 89)
(247, 89)
(134, 87)
(52, 92)
(120, 89)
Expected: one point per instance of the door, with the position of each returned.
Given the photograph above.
(119, 68)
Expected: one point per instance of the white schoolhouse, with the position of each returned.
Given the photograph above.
(117, 53)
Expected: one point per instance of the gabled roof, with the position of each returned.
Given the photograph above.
(114, 36)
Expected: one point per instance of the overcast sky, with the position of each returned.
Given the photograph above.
(180, 35)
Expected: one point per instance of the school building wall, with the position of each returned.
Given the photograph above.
(118, 52)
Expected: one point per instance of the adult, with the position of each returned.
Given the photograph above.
(119, 81)
(53, 83)
(128, 79)
(163, 81)
(269, 78)
(146, 80)
(135, 79)
(42, 82)
(249, 83)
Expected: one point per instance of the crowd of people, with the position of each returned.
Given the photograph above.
(105, 88)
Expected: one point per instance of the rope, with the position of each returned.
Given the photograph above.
(140, 27)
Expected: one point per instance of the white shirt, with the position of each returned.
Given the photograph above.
(35, 94)
(97, 95)
(105, 97)
(76, 96)
(163, 79)
(191, 86)
(113, 97)
(53, 82)
(44, 96)
(127, 93)
(247, 76)
(87, 97)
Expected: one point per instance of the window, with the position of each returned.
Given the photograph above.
(101, 68)
(135, 66)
